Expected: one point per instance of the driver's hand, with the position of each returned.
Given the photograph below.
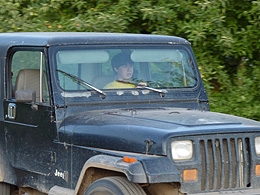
(141, 84)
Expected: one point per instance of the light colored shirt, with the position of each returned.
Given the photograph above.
(118, 85)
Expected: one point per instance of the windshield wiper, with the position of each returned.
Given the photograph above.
(162, 92)
(73, 77)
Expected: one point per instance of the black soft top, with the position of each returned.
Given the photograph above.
(8, 40)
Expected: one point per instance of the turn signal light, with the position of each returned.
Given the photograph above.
(129, 160)
(257, 170)
(190, 175)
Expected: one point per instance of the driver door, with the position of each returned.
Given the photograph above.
(28, 128)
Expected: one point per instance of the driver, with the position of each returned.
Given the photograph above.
(123, 66)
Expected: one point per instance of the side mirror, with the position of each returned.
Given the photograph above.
(25, 96)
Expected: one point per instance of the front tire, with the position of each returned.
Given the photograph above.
(114, 186)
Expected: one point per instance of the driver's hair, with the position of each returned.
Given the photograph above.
(120, 60)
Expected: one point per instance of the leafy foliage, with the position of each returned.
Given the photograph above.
(224, 34)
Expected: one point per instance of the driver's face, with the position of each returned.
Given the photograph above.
(125, 72)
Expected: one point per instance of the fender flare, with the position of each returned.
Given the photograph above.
(133, 171)
(147, 169)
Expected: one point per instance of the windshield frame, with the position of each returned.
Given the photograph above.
(58, 89)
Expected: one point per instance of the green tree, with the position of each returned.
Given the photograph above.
(224, 35)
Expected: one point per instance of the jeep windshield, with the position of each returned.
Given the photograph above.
(113, 68)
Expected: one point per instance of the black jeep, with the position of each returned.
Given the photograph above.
(124, 114)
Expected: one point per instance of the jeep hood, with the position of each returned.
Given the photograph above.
(130, 129)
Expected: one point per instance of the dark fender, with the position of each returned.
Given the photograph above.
(160, 170)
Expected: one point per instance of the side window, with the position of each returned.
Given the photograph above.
(27, 74)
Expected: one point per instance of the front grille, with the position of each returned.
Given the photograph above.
(225, 163)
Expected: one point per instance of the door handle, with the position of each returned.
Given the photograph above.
(11, 113)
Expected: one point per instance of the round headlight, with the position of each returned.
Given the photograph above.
(182, 150)
(257, 145)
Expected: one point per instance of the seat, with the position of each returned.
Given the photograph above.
(101, 81)
(28, 79)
